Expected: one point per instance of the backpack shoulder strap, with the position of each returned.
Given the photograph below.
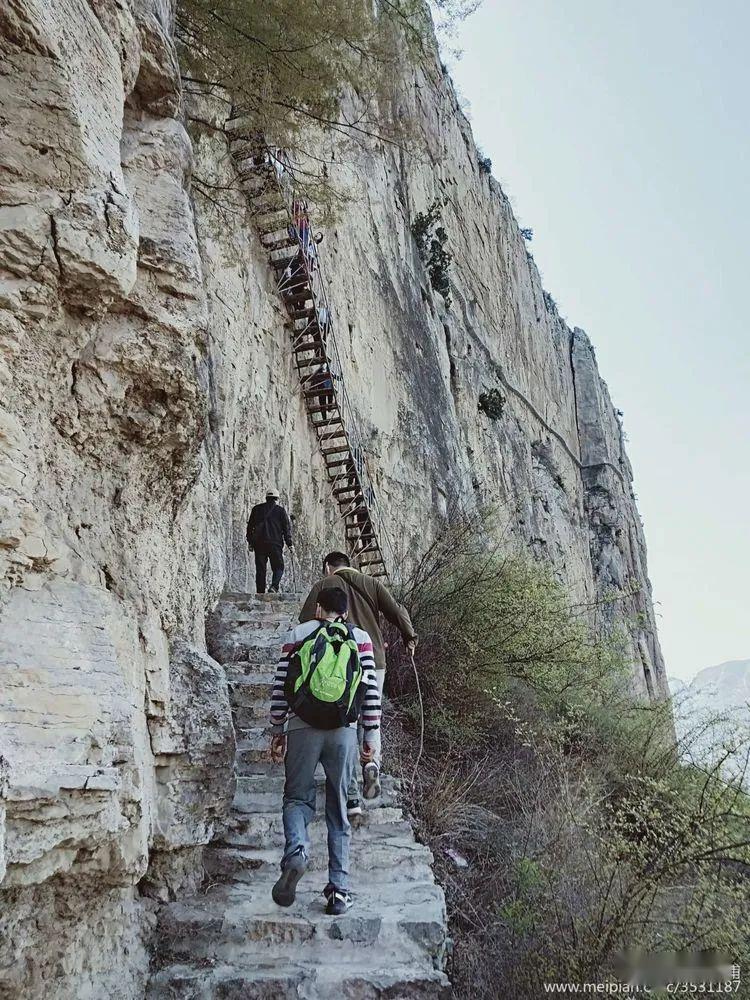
(311, 635)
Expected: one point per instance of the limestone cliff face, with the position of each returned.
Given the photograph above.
(147, 398)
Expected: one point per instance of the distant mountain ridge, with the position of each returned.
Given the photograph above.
(729, 680)
(720, 692)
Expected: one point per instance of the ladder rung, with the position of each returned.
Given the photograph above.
(311, 362)
(335, 451)
(267, 231)
(260, 211)
(302, 313)
(306, 340)
(266, 203)
(281, 263)
(309, 328)
(349, 489)
(341, 461)
(282, 239)
(318, 409)
(319, 390)
(304, 296)
(284, 243)
(302, 346)
(254, 182)
(334, 421)
(332, 436)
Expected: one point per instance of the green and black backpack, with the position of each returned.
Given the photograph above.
(324, 680)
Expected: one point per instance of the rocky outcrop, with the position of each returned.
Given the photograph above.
(115, 725)
(146, 399)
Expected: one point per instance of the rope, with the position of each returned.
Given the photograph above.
(421, 718)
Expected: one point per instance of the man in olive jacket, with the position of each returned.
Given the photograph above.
(368, 599)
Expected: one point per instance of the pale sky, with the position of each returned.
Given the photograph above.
(621, 133)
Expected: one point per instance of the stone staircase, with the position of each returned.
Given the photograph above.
(231, 941)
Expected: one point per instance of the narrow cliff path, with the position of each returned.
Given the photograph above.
(231, 941)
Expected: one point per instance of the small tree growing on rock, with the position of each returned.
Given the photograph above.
(492, 403)
(432, 245)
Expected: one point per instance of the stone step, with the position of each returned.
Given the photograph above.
(249, 602)
(246, 643)
(261, 765)
(255, 738)
(238, 923)
(256, 637)
(251, 619)
(252, 685)
(251, 659)
(250, 802)
(298, 981)
(273, 782)
(390, 860)
(237, 672)
(266, 829)
(256, 761)
(255, 750)
(247, 716)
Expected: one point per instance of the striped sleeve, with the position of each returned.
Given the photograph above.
(371, 709)
(279, 706)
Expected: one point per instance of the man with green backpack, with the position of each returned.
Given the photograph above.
(368, 600)
(325, 683)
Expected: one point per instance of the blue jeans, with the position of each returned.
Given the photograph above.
(337, 751)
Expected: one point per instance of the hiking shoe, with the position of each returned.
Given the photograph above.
(371, 781)
(338, 901)
(354, 811)
(294, 868)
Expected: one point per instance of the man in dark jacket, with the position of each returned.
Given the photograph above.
(368, 599)
(268, 529)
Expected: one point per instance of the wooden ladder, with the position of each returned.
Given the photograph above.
(311, 334)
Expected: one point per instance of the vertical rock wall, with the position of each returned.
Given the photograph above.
(147, 398)
(114, 725)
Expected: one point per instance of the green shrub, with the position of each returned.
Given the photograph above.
(585, 827)
(432, 240)
(492, 403)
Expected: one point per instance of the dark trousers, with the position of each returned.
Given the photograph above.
(264, 552)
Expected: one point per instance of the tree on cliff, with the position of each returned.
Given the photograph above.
(328, 62)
